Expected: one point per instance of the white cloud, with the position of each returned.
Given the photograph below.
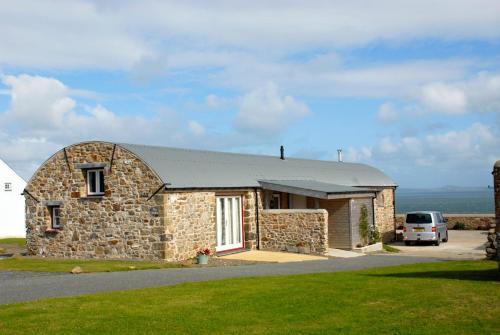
(38, 102)
(472, 146)
(83, 34)
(387, 113)
(215, 101)
(266, 110)
(444, 98)
(196, 128)
(42, 118)
(358, 155)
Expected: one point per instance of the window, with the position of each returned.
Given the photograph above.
(56, 217)
(275, 201)
(8, 187)
(95, 182)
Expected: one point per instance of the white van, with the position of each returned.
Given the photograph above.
(425, 226)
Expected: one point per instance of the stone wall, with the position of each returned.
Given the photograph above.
(493, 242)
(384, 214)
(122, 223)
(470, 221)
(189, 224)
(250, 217)
(289, 229)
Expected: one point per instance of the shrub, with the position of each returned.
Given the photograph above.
(459, 226)
(363, 224)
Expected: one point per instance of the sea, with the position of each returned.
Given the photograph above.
(452, 200)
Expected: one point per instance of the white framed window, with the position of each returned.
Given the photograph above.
(95, 182)
(56, 217)
(7, 187)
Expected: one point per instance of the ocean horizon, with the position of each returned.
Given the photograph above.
(451, 200)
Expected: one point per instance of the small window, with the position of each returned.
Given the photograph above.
(275, 201)
(95, 182)
(56, 217)
(8, 187)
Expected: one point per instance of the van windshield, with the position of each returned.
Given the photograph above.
(418, 218)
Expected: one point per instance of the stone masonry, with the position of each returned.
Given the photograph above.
(470, 221)
(301, 230)
(189, 224)
(384, 214)
(122, 223)
(492, 245)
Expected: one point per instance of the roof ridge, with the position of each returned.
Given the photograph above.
(238, 153)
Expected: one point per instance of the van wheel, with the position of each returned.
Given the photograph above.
(446, 238)
(407, 243)
(438, 241)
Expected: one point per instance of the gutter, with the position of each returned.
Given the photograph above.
(257, 218)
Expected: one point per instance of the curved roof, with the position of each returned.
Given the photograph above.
(185, 168)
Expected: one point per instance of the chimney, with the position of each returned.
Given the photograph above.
(339, 155)
(282, 153)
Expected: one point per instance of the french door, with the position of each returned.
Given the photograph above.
(229, 234)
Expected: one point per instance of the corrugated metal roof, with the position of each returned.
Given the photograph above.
(185, 168)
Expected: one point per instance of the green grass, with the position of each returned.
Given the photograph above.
(388, 248)
(21, 242)
(66, 265)
(434, 298)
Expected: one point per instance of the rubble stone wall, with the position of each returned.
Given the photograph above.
(296, 230)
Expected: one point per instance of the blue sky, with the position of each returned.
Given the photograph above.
(412, 88)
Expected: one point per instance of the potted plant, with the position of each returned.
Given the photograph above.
(302, 248)
(203, 256)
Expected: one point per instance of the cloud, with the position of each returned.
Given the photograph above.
(363, 154)
(444, 98)
(471, 146)
(42, 118)
(215, 101)
(37, 102)
(387, 113)
(93, 34)
(196, 128)
(266, 110)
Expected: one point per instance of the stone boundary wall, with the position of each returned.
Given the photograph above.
(471, 221)
(294, 230)
(492, 244)
(384, 214)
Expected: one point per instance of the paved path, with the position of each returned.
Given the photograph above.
(17, 286)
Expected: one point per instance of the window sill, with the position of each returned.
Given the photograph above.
(52, 230)
(93, 197)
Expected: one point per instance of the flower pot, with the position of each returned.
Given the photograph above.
(202, 259)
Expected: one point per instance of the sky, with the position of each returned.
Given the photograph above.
(410, 87)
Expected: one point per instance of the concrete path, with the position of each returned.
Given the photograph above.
(25, 286)
(272, 256)
(343, 253)
(462, 244)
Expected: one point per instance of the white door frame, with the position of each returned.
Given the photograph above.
(229, 221)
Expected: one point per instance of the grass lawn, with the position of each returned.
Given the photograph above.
(389, 248)
(434, 298)
(66, 265)
(20, 242)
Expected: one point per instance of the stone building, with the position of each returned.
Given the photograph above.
(106, 200)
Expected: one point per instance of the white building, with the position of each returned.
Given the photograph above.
(11, 203)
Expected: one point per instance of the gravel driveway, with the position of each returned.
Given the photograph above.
(26, 286)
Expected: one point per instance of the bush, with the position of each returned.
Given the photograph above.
(363, 224)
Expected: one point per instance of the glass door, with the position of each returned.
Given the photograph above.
(229, 234)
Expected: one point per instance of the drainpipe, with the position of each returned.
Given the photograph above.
(257, 219)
